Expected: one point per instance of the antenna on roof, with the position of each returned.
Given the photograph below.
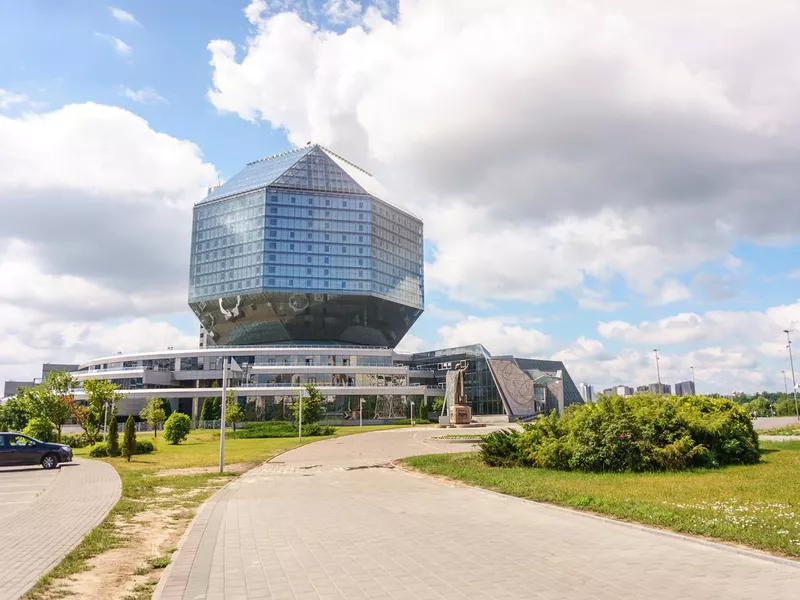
(308, 143)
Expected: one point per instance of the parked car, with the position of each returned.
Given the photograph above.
(17, 449)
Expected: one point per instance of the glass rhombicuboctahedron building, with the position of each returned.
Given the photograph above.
(303, 246)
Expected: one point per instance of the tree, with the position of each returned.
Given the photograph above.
(101, 396)
(177, 428)
(233, 411)
(210, 410)
(113, 435)
(129, 441)
(313, 411)
(41, 429)
(423, 410)
(166, 406)
(50, 400)
(13, 416)
(153, 413)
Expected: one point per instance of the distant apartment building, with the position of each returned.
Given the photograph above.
(618, 390)
(660, 388)
(10, 388)
(587, 392)
(642, 389)
(685, 388)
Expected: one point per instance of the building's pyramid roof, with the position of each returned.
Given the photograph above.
(312, 167)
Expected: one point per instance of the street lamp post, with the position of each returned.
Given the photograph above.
(791, 365)
(361, 414)
(785, 385)
(300, 418)
(411, 410)
(222, 414)
(658, 370)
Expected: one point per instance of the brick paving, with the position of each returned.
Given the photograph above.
(34, 538)
(333, 520)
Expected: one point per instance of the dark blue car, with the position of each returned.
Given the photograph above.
(17, 450)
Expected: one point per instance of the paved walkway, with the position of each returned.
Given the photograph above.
(36, 534)
(332, 520)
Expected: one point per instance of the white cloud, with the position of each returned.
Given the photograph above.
(123, 16)
(97, 225)
(143, 96)
(411, 344)
(117, 44)
(794, 274)
(497, 335)
(569, 138)
(7, 99)
(713, 326)
(343, 11)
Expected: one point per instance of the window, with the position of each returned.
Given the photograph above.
(274, 198)
(327, 236)
(360, 227)
(308, 283)
(360, 205)
(273, 210)
(272, 233)
(344, 203)
(273, 221)
(271, 270)
(310, 223)
(310, 201)
(327, 201)
(361, 251)
(327, 260)
(328, 214)
(361, 238)
(291, 235)
(293, 202)
(310, 213)
(309, 236)
(291, 281)
(327, 225)
(291, 246)
(327, 283)
(344, 249)
(308, 271)
(272, 245)
(272, 258)
(344, 238)
(327, 271)
(308, 259)
(344, 284)
(308, 247)
(360, 216)
(327, 248)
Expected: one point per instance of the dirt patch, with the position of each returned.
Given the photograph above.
(234, 468)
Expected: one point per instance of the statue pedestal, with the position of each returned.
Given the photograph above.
(460, 414)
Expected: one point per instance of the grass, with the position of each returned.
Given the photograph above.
(756, 506)
(793, 429)
(144, 487)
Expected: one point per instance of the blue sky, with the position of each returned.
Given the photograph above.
(586, 222)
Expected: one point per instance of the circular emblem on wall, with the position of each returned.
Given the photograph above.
(298, 302)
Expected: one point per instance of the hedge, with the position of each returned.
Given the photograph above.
(142, 447)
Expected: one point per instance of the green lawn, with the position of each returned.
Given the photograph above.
(757, 506)
(146, 487)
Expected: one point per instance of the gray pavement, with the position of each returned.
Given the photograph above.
(771, 422)
(334, 520)
(46, 514)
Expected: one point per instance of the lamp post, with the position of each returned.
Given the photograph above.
(785, 386)
(694, 386)
(791, 364)
(411, 410)
(360, 414)
(222, 414)
(658, 369)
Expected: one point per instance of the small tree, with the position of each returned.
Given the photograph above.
(153, 413)
(129, 441)
(233, 411)
(102, 398)
(13, 416)
(44, 401)
(166, 406)
(41, 429)
(177, 428)
(211, 410)
(313, 412)
(423, 410)
(113, 435)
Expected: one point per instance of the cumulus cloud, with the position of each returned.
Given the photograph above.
(97, 230)
(8, 99)
(143, 96)
(565, 139)
(497, 334)
(123, 16)
(117, 44)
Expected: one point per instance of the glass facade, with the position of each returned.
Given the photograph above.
(309, 235)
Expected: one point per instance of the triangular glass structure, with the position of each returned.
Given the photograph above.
(318, 171)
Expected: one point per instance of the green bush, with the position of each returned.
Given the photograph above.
(113, 436)
(41, 429)
(177, 428)
(101, 450)
(280, 429)
(144, 447)
(74, 440)
(408, 422)
(639, 433)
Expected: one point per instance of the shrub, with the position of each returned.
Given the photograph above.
(177, 428)
(408, 422)
(280, 429)
(144, 447)
(75, 441)
(113, 436)
(129, 441)
(640, 433)
(101, 450)
(40, 428)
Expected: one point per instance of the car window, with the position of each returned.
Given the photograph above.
(18, 440)
(2, 441)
